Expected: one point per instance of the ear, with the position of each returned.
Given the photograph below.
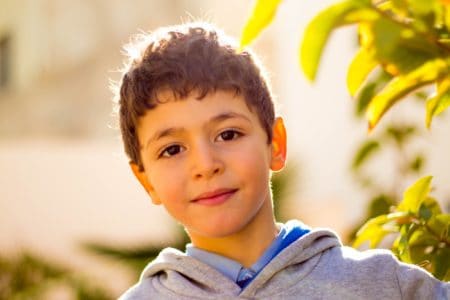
(279, 146)
(142, 178)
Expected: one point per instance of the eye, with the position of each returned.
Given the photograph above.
(229, 135)
(170, 151)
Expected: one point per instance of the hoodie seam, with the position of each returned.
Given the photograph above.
(398, 283)
(288, 287)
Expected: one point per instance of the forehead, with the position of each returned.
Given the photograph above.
(192, 112)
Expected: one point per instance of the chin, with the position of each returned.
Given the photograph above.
(219, 229)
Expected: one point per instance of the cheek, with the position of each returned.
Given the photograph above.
(253, 165)
(167, 183)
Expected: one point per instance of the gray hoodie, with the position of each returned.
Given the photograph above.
(316, 266)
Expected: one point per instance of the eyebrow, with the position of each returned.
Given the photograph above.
(174, 130)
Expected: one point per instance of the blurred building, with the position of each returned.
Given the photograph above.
(64, 178)
(57, 57)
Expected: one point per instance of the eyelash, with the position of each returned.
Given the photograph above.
(161, 155)
(236, 134)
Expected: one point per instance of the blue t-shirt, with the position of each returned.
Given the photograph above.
(289, 233)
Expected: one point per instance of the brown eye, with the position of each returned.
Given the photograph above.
(171, 151)
(229, 135)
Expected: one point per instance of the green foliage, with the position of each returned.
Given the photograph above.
(281, 183)
(404, 45)
(136, 258)
(366, 150)
(318, 31)
(30, 277)
(439, 102)
(423, 235)
(408, 40)
(262, 15)
(400, 86)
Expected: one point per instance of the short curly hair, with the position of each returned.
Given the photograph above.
(186, 58)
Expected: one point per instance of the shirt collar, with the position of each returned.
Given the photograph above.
(226, 266)
(289, 232)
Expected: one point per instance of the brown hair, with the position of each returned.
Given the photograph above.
(186, 58)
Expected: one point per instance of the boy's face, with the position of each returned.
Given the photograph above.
(208, 162)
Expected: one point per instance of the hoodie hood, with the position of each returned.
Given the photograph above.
(188, 277)
(316, 266)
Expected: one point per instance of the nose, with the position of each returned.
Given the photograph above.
(206, 161)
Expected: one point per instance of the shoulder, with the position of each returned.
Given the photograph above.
(346, 263)
(140, 291)
(380, 269)
(148, 286)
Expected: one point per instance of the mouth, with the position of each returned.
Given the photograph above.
(215, 197)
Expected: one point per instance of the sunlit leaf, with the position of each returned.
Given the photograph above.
(438, 103)
(442, 265)
(369, 90)
(422, 237)
(447, 15)
(364, 97)
(400, 86)
(319, 29)
(415, 195)
(262, 15)
(361, 66)
(372, 233)
(360, 15)
(422, 7)
(432, 205)
(364, 152)
(375, 229)
(440, 226)
(399, 48)
(403, 249)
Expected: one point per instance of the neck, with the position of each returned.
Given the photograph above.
(247, 245)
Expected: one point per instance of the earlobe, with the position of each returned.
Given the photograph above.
(279, 147)
(142, 178)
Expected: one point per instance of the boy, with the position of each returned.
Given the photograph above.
(199, 127)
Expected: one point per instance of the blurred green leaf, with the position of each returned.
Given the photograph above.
(263, 13)
(27, 276)
(367, 149)
(135, 258)
(438, 103)
(440, 226)
(380, 205)
(366, 94)
(400, 134)
(398, 47)
(374, 230)
(432, 205)
(319, 29)
(415, 195)
(417, 163)
(442, 265)
(362, 64)
(280, 183)
(422, 237)
(400, 86)
(369, 89)
(446, 19)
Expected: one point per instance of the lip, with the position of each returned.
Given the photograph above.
(215, 197)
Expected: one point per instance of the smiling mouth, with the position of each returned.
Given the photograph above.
(215, 198)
